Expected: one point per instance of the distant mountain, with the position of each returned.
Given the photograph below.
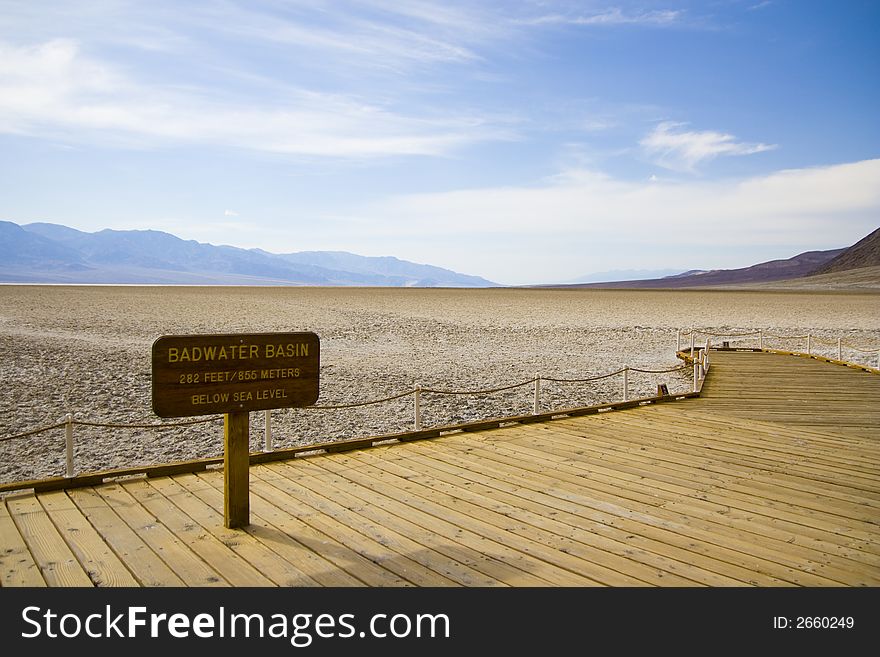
(625, 275)
(774, 270)
(51, 253)
(864, 253)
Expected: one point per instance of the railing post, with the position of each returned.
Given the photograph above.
(417, 408)
(678, 341)
(809, 345)
(626, 383)
(696, 374)
(692, 341)
(68, 440)
(706, 355)
(761, 339)
(268, 431)
(839, 349)
(537, 405)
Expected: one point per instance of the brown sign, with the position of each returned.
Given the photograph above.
(207, 374)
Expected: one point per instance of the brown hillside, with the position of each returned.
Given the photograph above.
(864, 253)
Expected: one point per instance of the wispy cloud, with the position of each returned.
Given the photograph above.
(581, 217)
(55, 90)
(671, 146)
(611, 17)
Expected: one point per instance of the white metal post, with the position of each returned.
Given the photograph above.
(696, 375)
(417, 404)
(536, 408)
(268, 444)
(68, 439)
(626, 383)
(706, 354)
(761, 340)
(839, 349)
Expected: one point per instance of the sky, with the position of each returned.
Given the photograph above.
(525, 142)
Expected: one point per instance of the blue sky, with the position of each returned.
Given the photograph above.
(525, 142)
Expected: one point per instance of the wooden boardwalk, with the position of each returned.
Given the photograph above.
(747, 485)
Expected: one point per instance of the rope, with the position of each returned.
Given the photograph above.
(595, 378)
(864, 351)
(32, 432)
(112, 425)
(786, 337)
(480, 392)
(355, 405)
(723, 335)
(674, 369)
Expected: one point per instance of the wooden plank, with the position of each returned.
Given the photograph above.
(191, 569)
(58, 565)
(390, 514)
(214, 549)
(651, 476)
(139, 558)
(577, 489)
(664, 556)
(378, 546)
(17, 565)
(94, 554)
(540, 525)
(277, 512)
(523, 571)
(304, 559)
(566, 569)
(327, 504)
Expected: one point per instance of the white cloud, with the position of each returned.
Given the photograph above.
(54, 90)
(230, 213)
(588, 221)
(672, 147)
(613, 16)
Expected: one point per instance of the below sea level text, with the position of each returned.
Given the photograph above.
(240, 396)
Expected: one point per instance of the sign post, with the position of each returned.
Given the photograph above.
(234, 374)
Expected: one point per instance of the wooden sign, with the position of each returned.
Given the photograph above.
(234, 373)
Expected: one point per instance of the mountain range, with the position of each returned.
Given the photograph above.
(52, 253)
(863, 255)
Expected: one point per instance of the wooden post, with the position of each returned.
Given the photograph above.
(626, 383)
(761, 338)
(692, 340)
(696, 374)
(68, 441)
(809, 344)
(839, 348)
(236, 461)
(417, 408)
(536, 407)
(678, 341)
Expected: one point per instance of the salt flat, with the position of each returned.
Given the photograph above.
(86, 349)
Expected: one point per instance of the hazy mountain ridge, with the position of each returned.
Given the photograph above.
(864, 256)
(864, 253)
(52, 253)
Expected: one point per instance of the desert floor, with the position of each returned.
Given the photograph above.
(86, 350)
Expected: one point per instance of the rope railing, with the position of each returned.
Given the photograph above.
(699, 357)
(809, 337)
(69, 422)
